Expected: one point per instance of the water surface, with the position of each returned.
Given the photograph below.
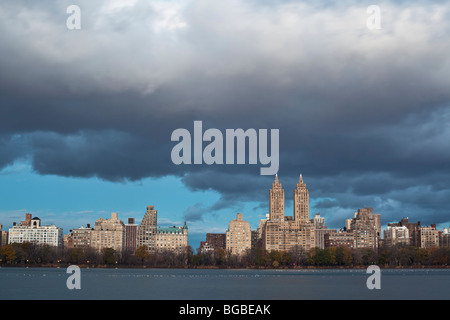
(199, 284)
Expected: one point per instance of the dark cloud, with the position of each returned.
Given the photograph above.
(363, 115)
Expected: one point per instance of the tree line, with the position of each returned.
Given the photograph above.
(44, 255)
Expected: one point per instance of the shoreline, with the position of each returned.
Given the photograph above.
(84, 266)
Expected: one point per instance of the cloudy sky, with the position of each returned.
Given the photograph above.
(86, 115)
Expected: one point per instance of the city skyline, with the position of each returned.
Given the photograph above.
(86, 114)
(277, 214)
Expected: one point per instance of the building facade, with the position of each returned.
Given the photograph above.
(146, 232)
(3, 236)
(429, 237)
(32, 231)
(414, 230)
(280, 232)
(131, 230)
(154, 238)
(172, 238)
(81, 237)
(238, 236)
(217, 240)
(396, 236)
(339, 239)
(365, 227)
(108, 233)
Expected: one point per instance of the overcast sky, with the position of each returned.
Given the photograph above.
(87, 114)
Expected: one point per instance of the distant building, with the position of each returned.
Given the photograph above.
(154, 238)
(429, 237)
(82, 237)
(413, 230)
(238, 236)
(68, 241)
(131, 235)
(108, 233)
(320, 236)
(445, 238)
(365, 227)
(320, 230)
(3, 236)
(27, 221)
(216, 240)
(172, 238)
(396, 236)
(280, 232)
(205, 247)
(339, 239)
(32, 231)
(146, 232)
(318, 221)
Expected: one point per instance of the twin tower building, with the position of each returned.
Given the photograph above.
(280, 232)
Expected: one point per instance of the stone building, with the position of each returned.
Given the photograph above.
(146, 233)
(413, 230)
(172, 238)
(108, 233)
(365, 227)
(238, 236)
(339, 239)
(280, 232)
(396, 236)
(154, 238)
(429, 237)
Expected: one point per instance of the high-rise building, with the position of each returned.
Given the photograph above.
(108, 233)
(280, 232)
(365, 229)
(429, 237)
(396, 236)
(146, 233)
(413, 230)
(154, 238)
(444, 240)
(320, 230)
(31, 230)
(3, 236)
(131, 229)
(238, 236)
(318, 221)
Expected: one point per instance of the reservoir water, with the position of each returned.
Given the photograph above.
(223, 284)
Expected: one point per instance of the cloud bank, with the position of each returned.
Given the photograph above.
(363, 114)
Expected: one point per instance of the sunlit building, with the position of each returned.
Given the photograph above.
(108, 233)
(238, 236)
(280, 232)
(31, 230)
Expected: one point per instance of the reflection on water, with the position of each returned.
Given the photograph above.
(181, 284)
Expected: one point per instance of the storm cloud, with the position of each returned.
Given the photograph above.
(363, 114)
